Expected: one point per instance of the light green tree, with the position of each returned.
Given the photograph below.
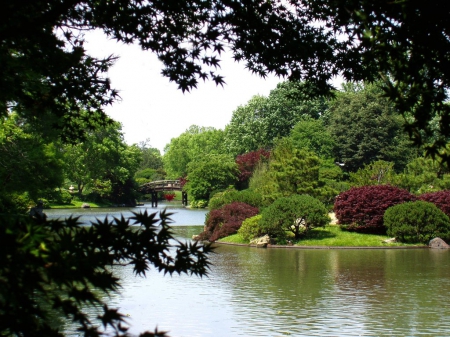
(312, 135)
(263, 119)
(290, 171)
(192, 144)
(104, 163)
(211, 173)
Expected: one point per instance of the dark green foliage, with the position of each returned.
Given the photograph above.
(362, 208)
(365, 127)
(47, 74)
(15, 203)
(226, 220)
(297, 213)
(230, 195)
(416, 221)
(59, 196)
(441, 199)
(48, 266)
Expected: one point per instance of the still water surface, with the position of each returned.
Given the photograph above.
(292, 292)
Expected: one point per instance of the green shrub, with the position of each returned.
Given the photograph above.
(416, 221)
(250, 228)
(15, 203)
(231, 195)
(199, 203)
(297, 213)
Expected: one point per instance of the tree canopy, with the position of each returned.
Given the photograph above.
(263, 119)
(194, 143)
(366, 127)
(47, 75)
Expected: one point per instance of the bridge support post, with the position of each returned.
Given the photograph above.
(184, 198)
(154, 199)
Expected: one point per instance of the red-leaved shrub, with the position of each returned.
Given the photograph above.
(226, 220)
(169, 196)
(362, 208)
(247, 163)
(441, 199)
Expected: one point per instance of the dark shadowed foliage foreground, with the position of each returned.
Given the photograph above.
(49, 266)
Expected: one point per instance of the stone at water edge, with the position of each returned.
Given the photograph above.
(261, 242)
(438, 243)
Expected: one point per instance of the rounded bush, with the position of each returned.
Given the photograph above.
(362, 208)
(297, 213)
(441, 199)
(250, 228)
(416, 221)
(226, 220)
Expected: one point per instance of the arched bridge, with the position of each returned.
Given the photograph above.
(156, 186)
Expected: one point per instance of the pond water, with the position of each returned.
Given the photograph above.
(181, 216)
(295, 292)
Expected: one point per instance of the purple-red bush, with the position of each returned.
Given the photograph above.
(226, 220)
(441, 199)
(362, 208)
(247, 163)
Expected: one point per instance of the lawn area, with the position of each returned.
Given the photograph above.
(333, 236)
(77, 204)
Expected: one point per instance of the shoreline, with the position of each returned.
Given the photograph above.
(317, 247)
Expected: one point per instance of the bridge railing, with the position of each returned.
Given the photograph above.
(161, 185)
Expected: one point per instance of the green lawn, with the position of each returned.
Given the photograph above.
(77, 204)
(333, 236)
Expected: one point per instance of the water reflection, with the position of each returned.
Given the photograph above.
(180, 216)
(278, 292)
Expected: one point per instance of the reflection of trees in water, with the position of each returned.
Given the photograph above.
(280, 288)
(394, 290)
(310, 291)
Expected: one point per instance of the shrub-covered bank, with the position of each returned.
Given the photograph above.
(333, 236)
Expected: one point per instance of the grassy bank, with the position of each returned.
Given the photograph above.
(78, 204)
(333, 236)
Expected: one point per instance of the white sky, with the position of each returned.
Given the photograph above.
(154, 108)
